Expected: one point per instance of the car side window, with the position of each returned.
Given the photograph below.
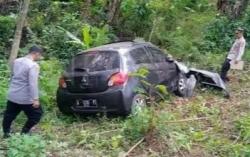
(140, 56)
(158, 56)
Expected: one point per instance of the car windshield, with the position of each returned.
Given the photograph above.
(95, 61)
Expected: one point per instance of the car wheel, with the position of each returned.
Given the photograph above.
(185, 86)
(65, 109)
(138, 103)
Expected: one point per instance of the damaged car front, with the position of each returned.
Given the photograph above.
(203, 77)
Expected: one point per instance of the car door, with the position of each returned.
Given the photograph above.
(142, 60)
(165, 68)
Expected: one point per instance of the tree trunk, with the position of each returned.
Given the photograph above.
(113, 10)
(222, 5)
(18, 32)
(7, 6)
(88, 6)
(239, 7)
(233, 9)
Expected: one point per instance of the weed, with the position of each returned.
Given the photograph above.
(26, 146)
(243, 127)
(138, 125)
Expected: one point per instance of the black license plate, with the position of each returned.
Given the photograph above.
(91, 103)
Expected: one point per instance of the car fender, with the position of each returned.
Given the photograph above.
(183, 68)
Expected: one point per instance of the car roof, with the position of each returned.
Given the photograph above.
(117, 46)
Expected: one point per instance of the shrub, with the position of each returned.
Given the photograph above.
(219, 34)
(49, 82)
(4, 79)
(243, 126)
(61, 42)
(138, 125)
(133, 11)
(26, 146)
(7, 25)
(54, 41)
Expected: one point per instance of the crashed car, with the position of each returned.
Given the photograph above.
(99, 80)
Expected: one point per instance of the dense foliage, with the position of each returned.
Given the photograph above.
(20, 146)
(64, 28)
(187, 29)
(6, 30)
(220, 32)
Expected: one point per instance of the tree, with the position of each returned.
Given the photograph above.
(239, 7)
(18, 32)
(222, 5)
(232, 8)
(113, 10)
(7, 6)
(86, 7)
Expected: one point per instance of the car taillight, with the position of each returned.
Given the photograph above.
(118, 79)
(62, 83)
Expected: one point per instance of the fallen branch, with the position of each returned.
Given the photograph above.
(132, 148)
(188, 120)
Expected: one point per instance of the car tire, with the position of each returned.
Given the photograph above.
(185, 85)
(65, 109)
(138, 103)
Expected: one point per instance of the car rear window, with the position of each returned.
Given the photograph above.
(95, 61)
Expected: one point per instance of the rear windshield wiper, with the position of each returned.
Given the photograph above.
(82, 69)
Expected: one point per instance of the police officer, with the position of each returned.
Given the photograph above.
(23, 92)
(235, 54)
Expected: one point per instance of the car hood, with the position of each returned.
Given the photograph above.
(208, 78)
(215, 77)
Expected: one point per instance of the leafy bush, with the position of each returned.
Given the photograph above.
(26, 146)
(54, 41)
(133, 11)
(65, 42)
(7, 25)
(92, 36)
(138, 125)
(149, 122)
(224, 147)
(238, 150)
(4, 79)
(219, 34)
(178, 26)
(243, 126)
(101, 35)
(49, 82)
